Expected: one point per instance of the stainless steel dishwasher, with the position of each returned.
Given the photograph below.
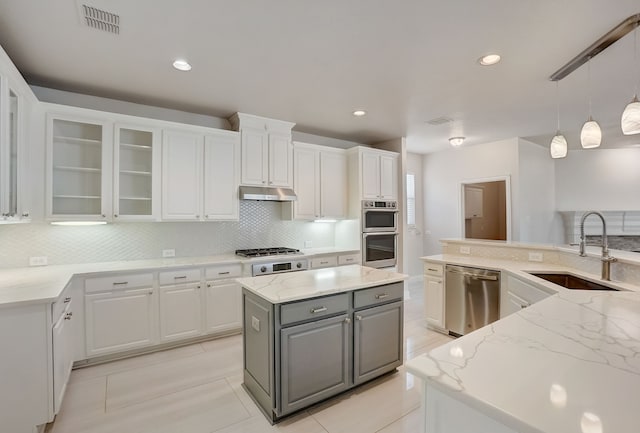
(472, 298)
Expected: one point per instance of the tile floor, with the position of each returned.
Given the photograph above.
(197, 389)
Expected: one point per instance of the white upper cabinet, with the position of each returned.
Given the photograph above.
(79, 165)
(182, 175)
(136, 180)
(379, 174)
(267, 151)
(200, 176)
(221, 176)
(320, 182)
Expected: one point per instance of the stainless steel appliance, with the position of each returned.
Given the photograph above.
(472, 298)
(276, 264)
(379, 250)
(379, 216)
(264, 193)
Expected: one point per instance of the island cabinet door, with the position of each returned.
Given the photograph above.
(314, 359)
(377, 341)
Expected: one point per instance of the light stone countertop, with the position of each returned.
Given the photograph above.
(568, 361)
(44, 284)
(294, 286)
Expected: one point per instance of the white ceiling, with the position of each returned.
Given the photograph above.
(314, 62)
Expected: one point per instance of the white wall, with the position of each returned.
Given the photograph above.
(539, 222)
(413, 239)
(598, 179)
(443, 173)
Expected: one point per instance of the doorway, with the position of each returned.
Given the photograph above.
(485, 209)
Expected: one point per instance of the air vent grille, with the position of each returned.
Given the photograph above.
(439, 121)
(101, 20)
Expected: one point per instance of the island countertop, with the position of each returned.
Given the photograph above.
(570, 363)
(293, 286)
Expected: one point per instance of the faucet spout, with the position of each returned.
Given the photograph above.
(605, 258)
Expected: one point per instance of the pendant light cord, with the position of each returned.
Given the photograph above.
(635, 59)
(558, 104)
(589, 86)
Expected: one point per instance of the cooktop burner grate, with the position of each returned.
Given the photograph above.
(259, 252)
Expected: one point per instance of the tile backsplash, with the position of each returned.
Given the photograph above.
(260, 225)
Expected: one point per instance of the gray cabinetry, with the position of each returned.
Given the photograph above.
(299, 353)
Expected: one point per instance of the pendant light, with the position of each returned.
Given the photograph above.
(558, 147)
(630, 121)
(591, 134)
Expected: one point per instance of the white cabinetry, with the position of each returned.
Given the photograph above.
(180, 305)
(194, 190)
(473, 202)
(516, 294)
(434, 295)
(136, 180)
(223, 298)
(320, 182)
(379, 175)
(267, 152)
(79, 164)
(63, 351)
(120, 313)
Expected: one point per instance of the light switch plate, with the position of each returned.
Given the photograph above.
(465, 250)
(168, 253)
(535, 257)
(38, 261)
(307, 244)
(255, 323)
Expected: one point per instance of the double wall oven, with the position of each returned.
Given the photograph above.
(379, 233)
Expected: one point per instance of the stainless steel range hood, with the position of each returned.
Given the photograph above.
(267, 193)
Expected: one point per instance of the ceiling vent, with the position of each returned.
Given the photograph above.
(100, 20)
(439, 121)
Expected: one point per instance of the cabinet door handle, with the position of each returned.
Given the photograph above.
(151, 292)
(181, 277)
(68, 316)
(318, 310)
(25, 214)
(223, 273)
(121, 283)
(67, 300)
(347, 320)
(358, 317)
(382, 296)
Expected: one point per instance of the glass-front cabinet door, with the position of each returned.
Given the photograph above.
(136, 173)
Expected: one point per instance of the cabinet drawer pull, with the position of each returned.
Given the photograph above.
(318, 310)
(324, 263)
(121, 283)
(349, 260)
(432, 270)
(358, 317)
(223, 273)
(181, 277)
(67, 300)
(382, 296)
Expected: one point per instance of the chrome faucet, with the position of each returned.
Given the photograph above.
(606, 258)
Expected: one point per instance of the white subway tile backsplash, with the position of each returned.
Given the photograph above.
(260, 225)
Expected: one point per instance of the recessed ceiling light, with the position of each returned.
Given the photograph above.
(359, 113)
(456, 141)
(182, 65)
(489, 59)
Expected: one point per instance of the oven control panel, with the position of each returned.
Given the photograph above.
(278, 267)
(380, 204)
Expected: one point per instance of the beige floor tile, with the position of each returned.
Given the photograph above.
(410, 423)
(100, 370)
(301, 423)
(84, 399)
(222, 343)
(137, 385)
(236, 384)
(371, 407)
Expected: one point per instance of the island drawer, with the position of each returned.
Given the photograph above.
(349, 259)
(324, 262)
(378, 295)
(313, 308)
(435, 269)
(118, 282)
(179, 277)
(223, 271)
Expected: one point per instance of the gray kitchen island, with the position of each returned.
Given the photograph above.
(310, 335)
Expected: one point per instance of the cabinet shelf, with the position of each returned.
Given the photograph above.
(136, 198)
(136, 173)
(92, 197)
(79, 169)
(136, 146)
(76, 140)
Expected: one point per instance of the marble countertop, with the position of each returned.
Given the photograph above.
(570, 363)
(44, 284)
(293, 286)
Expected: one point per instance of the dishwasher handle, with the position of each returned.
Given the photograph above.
(475, 276)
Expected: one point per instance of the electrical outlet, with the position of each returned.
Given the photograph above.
(255, 323)
(465, 250)
(169, 253)
(307, 244)
(38, 261)
(535, 257)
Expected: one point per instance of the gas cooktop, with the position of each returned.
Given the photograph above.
(259, 252)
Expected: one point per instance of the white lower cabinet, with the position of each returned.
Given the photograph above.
(180, 311)
(434, 295)
(516, 294)
(119, 320)
(62, 344)
(223, 305)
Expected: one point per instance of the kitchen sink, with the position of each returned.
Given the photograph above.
(569, 281)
